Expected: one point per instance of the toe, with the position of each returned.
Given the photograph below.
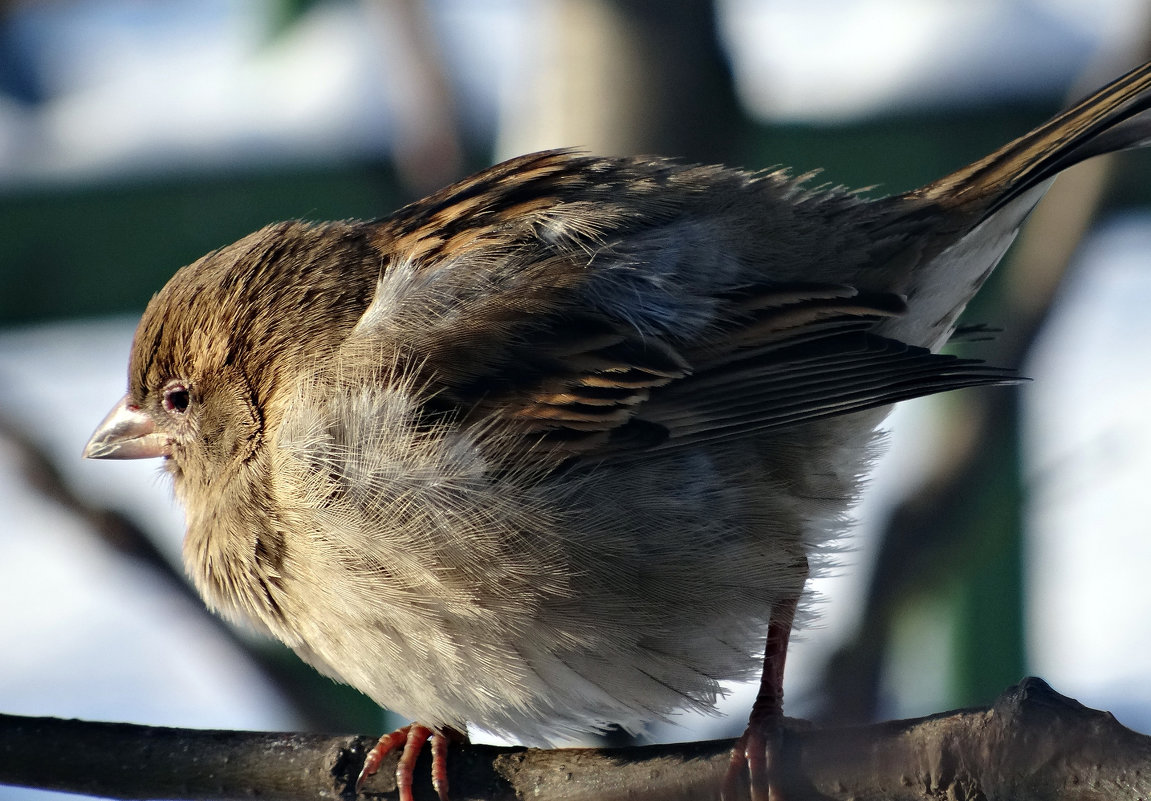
(417, 735)
(381, 749)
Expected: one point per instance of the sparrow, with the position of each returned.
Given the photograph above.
(557, 447)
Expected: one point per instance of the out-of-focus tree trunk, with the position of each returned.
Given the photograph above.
(626, 77)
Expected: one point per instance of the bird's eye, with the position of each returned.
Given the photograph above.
(177, 399)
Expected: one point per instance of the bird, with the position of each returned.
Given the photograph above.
(556, 448)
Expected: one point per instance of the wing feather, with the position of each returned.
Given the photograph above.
(785, 357)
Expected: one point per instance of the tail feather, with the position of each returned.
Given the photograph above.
(975, 212)
(1107, 121)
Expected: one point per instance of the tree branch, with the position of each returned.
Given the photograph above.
(1031, 744)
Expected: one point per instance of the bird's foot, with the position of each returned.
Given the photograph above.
(756, 760)
(412, 738)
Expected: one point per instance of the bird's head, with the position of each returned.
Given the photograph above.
(222, 343)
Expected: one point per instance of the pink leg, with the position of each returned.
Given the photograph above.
(758, 749)
(413, 738)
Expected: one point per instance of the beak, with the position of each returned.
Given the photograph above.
(127, 433)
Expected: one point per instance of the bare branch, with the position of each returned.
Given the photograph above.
(1031, 744)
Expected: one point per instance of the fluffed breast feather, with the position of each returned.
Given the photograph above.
(420, 546)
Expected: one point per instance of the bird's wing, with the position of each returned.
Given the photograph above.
(579, 384)
(613, 312)
(792, 355)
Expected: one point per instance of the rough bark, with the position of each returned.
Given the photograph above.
(1031, 744)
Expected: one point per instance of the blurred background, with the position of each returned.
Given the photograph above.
(1005, 534)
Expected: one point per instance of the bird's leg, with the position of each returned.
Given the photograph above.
(759, 747)
(413, 738)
